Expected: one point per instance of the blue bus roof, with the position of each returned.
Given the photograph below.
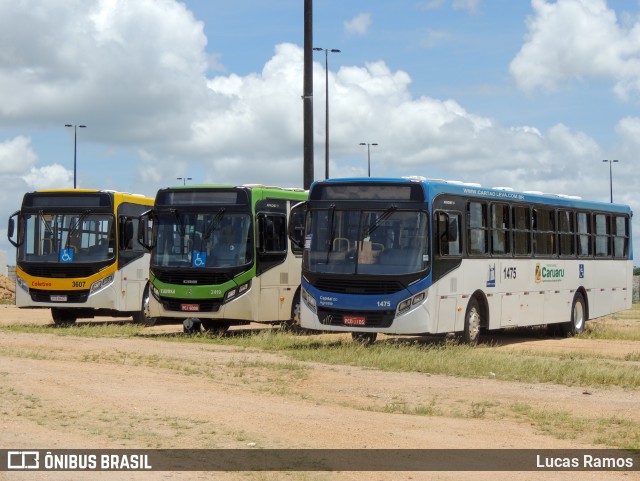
(433, 187)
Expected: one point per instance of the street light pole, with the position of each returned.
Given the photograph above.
(610, 178)
(75, 148)
(184, 179)
(326, 105)
(368, 155)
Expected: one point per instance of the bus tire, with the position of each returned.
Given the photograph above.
(472, 321)
(292, 324)
(63, 317)
(215, 326)
(578, 317)
(143, 316)
(191, 325)
(366, 338)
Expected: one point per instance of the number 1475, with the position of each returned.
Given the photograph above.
(509, 273)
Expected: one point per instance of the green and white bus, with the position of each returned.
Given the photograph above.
(220, 255)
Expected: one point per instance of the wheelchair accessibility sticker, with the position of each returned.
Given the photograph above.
(66, 255)
(199, 259)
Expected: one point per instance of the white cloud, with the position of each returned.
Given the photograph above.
(48, 177)
(147, 56)
(576, 39)
(470, 6)
(358, 25)
(16, 156)
(433, 38)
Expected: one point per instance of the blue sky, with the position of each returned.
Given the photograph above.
(531, 95)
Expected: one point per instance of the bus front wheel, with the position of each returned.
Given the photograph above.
(578, 317)
(364, 337)
(472, 321)
(215, 326)
(63, 317)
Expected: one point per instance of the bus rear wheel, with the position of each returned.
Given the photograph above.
(143, 316)
(63, 317)
(578, 317)
(472, 321)
(292, 324)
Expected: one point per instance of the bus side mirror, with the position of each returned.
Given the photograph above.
(11, 230)
(145, 230)
(297, 217)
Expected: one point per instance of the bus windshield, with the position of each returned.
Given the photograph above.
(212, 239)
(375, 242)
(80, 237)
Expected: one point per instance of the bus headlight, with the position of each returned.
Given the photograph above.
(22, 283)
(407, 304)
(237, 291)
(101, 284)
(309, 301)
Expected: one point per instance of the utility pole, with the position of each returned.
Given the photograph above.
(307, 95)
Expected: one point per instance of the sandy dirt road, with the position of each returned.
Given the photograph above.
(64, 392)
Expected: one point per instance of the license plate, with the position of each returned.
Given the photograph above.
(190, 307)
(354, 321)
(58, 298)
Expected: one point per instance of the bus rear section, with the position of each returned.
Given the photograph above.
(76, 254)
(417, 256)
(220, 256)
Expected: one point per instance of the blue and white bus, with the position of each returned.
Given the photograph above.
(420, 256)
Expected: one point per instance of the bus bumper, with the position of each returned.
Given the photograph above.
(417, 321)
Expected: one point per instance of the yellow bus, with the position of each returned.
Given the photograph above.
(77, 253)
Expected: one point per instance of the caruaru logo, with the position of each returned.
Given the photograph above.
(550, 273)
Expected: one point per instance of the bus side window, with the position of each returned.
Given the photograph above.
(448, 234)
(621, 237)
(477, 236)
(272, 233)
(585, 245)
(500, 240)
(126, 233)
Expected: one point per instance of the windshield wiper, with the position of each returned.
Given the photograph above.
(375, 224)
(214, 223)
(331, 223)
(46, 223)
(179, 221)
(74, 229)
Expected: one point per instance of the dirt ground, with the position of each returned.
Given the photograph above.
(7, 288)
(60, 392)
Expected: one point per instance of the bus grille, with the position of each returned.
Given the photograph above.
(358, 286)
(175, 305)
(192, 278)
(330, 317)
(59, 271)
(38, 295)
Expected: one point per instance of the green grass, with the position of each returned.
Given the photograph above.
(561, 424)
(445, 358)
(434, 356)
(115, 329)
